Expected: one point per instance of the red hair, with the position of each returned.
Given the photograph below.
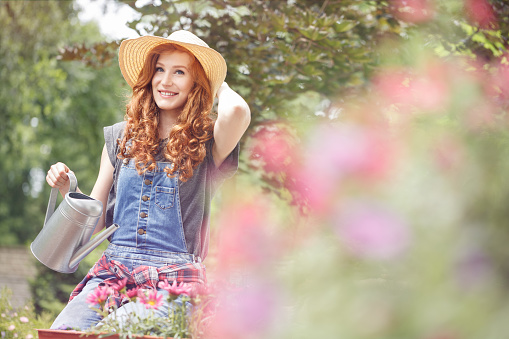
(193, 128)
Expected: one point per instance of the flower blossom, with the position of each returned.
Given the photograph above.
(200, 293)
(273, 145)
(130, 294)
(371, 231)
(150, 299)
(119, 285)
(11, 327)
(99, 295)
(175, 289)
(246, 312)
(23, 319)
(413, 11)
(481, 13)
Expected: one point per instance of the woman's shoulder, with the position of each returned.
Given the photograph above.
(117, 128)
(114, 131)
(112, 134)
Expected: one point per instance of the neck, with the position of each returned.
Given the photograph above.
(166, 122)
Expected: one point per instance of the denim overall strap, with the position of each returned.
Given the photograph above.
(147, 209)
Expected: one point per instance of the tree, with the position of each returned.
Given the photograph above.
(51, 110)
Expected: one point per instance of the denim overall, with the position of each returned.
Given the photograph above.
(151, 233)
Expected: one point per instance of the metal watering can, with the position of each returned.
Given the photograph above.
(65, 238)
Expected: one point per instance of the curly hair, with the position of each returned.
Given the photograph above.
(194, 126)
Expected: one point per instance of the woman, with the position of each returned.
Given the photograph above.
(160, 168)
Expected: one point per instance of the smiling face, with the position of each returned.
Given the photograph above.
(172, 81)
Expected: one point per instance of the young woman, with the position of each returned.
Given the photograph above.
(160, 168)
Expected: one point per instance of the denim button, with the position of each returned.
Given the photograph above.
(141, 231)
(145, 198)
(143, 215)
(148, 182)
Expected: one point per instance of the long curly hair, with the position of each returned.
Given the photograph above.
(194, 126)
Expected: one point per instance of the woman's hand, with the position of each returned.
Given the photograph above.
(57, 177)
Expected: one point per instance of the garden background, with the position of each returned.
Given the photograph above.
(371, 198)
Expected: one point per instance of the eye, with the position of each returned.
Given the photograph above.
(179, 72)
(159, 69)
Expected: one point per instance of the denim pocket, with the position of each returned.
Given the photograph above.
(165, 196)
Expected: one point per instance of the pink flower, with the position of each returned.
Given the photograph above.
(199, 293)
(273, 145)
(247, 239)
(119, 285)
(130, 294)
(23, 319)
(99, 295)
(426, 90)
(11, 327)
(338, 153)
(413, 11)
(245, 312)
(29, 336)
(175, 289)
(200, 290)
(150, 299)
(371, 231)
(481, 12)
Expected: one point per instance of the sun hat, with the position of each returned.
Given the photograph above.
(133, 53)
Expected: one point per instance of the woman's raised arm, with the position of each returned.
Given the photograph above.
(233, 118)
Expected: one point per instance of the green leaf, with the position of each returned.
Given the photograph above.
(344, 26)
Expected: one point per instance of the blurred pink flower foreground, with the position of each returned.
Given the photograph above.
(372, 232)
(150, 298)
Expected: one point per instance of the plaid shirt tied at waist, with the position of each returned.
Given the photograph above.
(142, 277)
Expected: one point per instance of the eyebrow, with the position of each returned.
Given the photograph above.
(176, 66)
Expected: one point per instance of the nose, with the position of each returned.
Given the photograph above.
(167, 80)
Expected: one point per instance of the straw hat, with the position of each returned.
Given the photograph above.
(133, 53)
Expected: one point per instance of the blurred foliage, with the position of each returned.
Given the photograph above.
(21, 322)
(51, 110)
(407, 223)
(299, 63)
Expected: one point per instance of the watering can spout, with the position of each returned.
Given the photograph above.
(84, 250)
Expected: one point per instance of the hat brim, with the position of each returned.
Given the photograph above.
(133, 53)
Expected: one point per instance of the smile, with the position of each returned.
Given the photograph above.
(167, 94)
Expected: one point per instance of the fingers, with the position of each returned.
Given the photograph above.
(56, 176)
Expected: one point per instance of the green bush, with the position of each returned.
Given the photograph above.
(21, 322)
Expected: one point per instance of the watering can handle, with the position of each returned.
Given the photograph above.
(54, 194)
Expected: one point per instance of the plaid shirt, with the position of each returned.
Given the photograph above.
(142, 277)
